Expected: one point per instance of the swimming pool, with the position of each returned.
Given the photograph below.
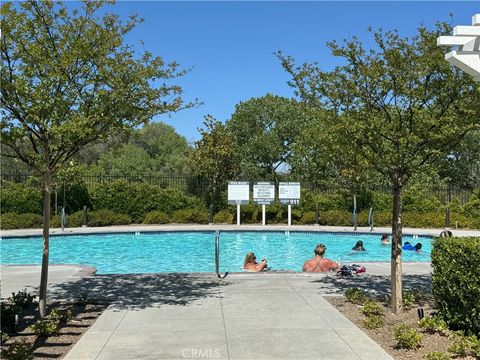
(194, 251)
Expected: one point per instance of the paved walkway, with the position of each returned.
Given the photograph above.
(193, 316)
(196, 316)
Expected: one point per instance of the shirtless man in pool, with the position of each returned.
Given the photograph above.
(318, 263)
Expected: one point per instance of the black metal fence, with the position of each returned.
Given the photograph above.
(200, 187)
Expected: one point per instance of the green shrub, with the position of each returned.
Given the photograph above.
(433, 324)
(381, 201)
(419, 201)
(382, 218)
(329, 202)
(456, 282)
(223, 217)
(371, 308)
(309, 217)
(336, 218)
(413, 296)
(20, 198)
(356, 296)
(156, 217)
(137, 199)
(60, 316)
(472, 207)
(190, 216)
(76, 196)
(17, 350)
(437, 355)
(465, 346)
(45, 327)
(373, 322)
(407, 337)
(23, 299)
(20, 221)
(105, 217)
(72, 220)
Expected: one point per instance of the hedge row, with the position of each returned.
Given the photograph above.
(456, 282)
(249, 215)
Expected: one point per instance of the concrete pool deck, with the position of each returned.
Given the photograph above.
(273, 315)
(195, 315)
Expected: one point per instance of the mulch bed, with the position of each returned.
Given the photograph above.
(56, 346)
(384, 335)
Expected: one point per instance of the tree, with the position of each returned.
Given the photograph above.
(128, 160)
(213, 157)
(68, 79)
(461, 167)
(264, 130)
(399, 105)
(169, 150)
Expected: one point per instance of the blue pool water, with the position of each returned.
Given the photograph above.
(194, 251)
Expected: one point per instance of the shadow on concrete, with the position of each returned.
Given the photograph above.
(138, 291)
(376, 285)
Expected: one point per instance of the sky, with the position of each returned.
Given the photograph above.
(229, 45)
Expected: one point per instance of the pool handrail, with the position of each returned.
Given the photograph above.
(217, 256)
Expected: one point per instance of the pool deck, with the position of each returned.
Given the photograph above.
(273, 315)
(242, 227)
(244, 316)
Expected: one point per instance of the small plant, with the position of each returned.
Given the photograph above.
(371, 308)
(17, 350)
(407, 337)
(413, 296)
(3, 337)
(356, 296)
(437, 355)
(23, 299)
(433, 324)
(45, 327)
(464, 346)
(373, 322)
(60, 316)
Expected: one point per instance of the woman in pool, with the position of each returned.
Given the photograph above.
(318, 263)
(358, 246)
(251, 264)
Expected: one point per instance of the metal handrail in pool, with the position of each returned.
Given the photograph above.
(217, 256)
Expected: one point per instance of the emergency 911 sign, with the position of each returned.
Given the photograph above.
(289, 193)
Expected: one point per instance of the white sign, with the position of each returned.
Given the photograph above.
(263, 193)
(238, 192)
(289, 193)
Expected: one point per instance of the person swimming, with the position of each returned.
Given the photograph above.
(384, 239)
(250, 263)
(358, 246)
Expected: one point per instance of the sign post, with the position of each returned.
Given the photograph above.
(263, 194)
(289, 194)
(238, 194)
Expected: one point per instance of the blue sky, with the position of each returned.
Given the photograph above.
(229, 45)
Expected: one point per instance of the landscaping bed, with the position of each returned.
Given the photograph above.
(434, 345)
(24, 343)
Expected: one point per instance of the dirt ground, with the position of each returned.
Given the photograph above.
(384, 335)
(56, 346)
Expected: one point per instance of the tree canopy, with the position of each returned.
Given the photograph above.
(398, 107)
(69, 79)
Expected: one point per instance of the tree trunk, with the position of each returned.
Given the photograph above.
(396, 264)
(42, 303)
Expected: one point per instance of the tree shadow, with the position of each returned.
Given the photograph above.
(376, 285)
(139, 291)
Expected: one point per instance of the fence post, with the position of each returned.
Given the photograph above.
(210, 215)
(84, 216)
(354, 215)
(317, 216)
(447, 217)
